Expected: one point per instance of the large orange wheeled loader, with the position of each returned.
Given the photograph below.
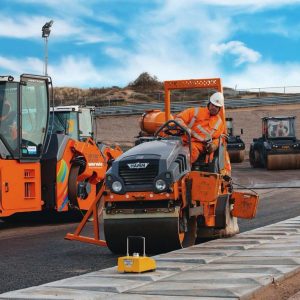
(154, 191)
(42, 168)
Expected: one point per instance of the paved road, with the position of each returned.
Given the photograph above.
(36, 253)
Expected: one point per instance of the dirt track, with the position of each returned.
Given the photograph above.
(123, 129)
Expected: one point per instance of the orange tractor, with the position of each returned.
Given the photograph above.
(43, 168)
(154, 191)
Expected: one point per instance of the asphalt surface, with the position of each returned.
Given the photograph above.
(35, 252)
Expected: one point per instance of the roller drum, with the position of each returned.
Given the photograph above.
(236, 156)
(283, 161)
(163, 232)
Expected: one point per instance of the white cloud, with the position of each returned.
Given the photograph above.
(238, 49)
(178, 39)
(70, 71)
(75, 71)
(265, 74)
(64, 7)
(24, 27)
(258, 3)
(254, 4)
(171, 44)
(16, 67)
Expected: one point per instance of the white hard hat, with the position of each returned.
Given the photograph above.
(217, 99)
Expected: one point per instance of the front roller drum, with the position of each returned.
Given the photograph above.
(162, 234)
(283, 161)
(236, 156)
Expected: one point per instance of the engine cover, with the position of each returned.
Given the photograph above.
(140, 167)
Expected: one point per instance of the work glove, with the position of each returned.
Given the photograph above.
(211, 147)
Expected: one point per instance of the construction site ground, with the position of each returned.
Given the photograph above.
(41, 255)
(263, 263)
(32, 255)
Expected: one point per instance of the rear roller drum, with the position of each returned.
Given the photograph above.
(237, 156)
(283, 161)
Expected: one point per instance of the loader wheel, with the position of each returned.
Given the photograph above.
(72, 185)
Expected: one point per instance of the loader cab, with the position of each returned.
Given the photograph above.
(24, 109)
(278, 128)
(74, 121)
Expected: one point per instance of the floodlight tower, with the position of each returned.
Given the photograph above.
(45, 34)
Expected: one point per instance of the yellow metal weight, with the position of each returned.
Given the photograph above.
(136, 263)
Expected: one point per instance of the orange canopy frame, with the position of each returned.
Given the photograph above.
(212, 83)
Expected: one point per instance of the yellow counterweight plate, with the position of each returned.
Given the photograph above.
(136, 264)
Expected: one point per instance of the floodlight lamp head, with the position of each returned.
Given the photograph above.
(46, 29)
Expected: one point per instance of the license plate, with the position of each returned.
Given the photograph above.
(285, 147)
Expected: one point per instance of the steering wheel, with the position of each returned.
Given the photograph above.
(174, 128)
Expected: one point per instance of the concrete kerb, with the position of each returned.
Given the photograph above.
(233, 268)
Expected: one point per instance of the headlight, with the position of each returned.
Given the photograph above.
(160, 185)
(116, 186)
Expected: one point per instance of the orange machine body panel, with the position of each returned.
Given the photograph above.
(152, 120)
(96, 166)
(95, 170)
(245, 205)
(206, 189)
(206, 186)
(20, 187)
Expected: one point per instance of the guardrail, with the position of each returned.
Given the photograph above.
(138, 109)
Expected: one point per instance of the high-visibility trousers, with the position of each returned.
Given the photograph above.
(197, 149)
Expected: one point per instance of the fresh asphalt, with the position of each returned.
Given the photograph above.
(33, 253)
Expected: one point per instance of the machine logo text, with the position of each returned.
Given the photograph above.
(138, 165)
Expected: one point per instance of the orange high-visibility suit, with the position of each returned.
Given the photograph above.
(203, 127)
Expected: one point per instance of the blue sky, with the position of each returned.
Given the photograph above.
(100, 43)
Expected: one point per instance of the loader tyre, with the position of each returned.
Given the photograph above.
(72, 185)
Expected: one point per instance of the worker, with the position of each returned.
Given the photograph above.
(205, 125)
(281, 130)
(8, 119)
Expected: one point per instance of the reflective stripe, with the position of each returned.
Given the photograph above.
(205, 132)
(197, 136)
(194, 118)
(217, 123)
